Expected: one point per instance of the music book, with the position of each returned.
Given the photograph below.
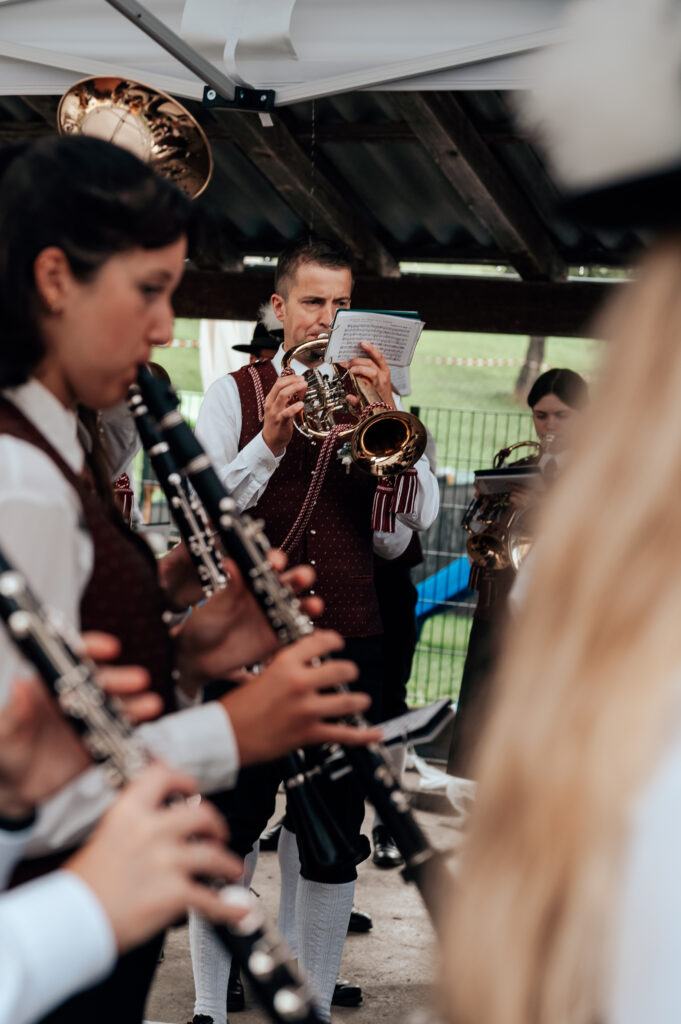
(394, 333)
(495, 481)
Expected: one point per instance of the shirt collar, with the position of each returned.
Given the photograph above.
(299, 368)
(57, 423)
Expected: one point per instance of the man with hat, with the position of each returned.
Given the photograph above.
(263, 344)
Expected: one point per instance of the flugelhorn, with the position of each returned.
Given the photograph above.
(149, 123)
(500, 534)
(383, 442)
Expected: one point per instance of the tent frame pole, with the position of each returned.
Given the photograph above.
(219, 89)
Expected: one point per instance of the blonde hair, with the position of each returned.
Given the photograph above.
(583, 692)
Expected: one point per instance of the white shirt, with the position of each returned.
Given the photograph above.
(42, 534)
(646, 966)
(246, 473)
(55, 939)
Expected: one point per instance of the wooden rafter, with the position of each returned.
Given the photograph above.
(279, 158)
(446, 303)
(446, 132)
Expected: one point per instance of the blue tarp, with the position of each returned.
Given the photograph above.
(449, 584)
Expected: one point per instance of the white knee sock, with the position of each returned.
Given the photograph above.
(396, 756)
(322, 917)
(289, 865)
(210, 959)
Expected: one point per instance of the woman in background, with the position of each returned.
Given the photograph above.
(556, 399)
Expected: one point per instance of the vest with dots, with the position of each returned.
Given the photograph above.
(337, 541)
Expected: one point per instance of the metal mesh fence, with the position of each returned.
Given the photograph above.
(466, 440)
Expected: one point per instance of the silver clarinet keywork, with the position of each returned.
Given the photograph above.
(186, 509)
(55, 653)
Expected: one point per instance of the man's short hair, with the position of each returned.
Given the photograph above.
(322, 251)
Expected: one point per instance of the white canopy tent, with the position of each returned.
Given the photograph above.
(300, 48)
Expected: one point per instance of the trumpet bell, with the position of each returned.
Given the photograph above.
(149, 123)
(389, 442)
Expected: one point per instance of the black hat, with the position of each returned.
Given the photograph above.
(262, 338)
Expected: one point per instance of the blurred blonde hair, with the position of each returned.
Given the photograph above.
(585, 691)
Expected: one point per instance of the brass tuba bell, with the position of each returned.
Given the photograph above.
(383, 443)
(501, 535)
(149, 123)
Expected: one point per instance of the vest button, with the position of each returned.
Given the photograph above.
(312, 592)
(313, 533)
(312, 561)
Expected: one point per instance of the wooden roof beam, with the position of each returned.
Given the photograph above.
(303, 186)
(450, 138)
(487, 304)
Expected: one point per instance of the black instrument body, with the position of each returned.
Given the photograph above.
(243, 539)
(258, 947)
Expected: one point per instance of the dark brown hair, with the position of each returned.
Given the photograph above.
(322, 251)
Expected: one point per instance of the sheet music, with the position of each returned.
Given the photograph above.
(395, 336)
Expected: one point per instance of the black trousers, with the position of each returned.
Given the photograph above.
(250, 804)
(481, 657)
(397, 598)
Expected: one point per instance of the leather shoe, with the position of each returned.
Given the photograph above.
(386, 854)
(269, 840)
(201, 1018)
(346, 994)
(359, 921)
(236, 1000)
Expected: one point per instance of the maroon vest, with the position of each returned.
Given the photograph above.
(123, 596)
(338, 538)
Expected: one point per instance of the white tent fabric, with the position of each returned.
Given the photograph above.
(45, 45)
(216, 355)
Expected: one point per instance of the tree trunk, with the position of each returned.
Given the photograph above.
(531, 368)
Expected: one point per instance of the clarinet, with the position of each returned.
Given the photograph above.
(328, 844)
(243, 538)
(50, 647)
(186, 510)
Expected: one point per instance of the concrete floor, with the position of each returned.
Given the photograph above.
(393, 963)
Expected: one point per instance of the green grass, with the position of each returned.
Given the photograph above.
(486, 387)
(183, 365)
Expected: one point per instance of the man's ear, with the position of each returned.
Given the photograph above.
(53, 277)
(278, 307)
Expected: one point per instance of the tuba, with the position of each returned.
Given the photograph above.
(500, 535)
(383, 443)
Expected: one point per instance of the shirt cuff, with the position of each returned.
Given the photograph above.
(60, 935)
(199, 741)
(262, 461)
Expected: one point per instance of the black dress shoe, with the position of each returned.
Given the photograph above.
(359, 921)
(201, 1018)
(235, 990)
(346, 994)
(386, 854)
(269, 840)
